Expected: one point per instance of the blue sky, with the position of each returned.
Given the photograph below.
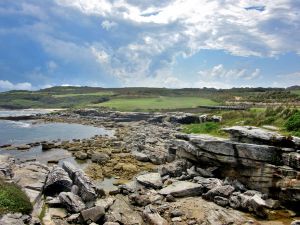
(166, 43)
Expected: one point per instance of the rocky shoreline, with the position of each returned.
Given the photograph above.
(162, 176)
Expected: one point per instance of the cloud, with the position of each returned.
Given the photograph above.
(146, 38)
(220, 72)
(108, 25)
(6, 85)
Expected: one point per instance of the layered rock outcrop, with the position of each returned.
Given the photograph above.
(263, 164)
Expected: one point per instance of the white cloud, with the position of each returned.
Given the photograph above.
(185, 27)
(108, 25)
(220, 72)
(6, 85)
(51, 65)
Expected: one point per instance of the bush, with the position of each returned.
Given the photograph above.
(13, 199)
(293, 123)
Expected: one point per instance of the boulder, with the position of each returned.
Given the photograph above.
(58, 181)
(86, 188)
(173, 169)
(6, 163)
(223, 191)
(182, 189)
(140, 156)
(208, 183)
(255, 135)
(152, 216)
(151, 180)
(14, 219)
(100, 157)
(47, 145)
(185, 118)
(31, 176)
(92, 214)
(123, 213)
(221, 201)
(81, 155)
(73, 203)
(292, 159)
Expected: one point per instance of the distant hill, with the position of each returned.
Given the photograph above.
(142, 98)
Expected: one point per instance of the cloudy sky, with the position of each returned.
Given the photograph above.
(160, 43)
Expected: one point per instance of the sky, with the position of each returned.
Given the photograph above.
(157, 43)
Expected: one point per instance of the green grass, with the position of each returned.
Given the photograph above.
(297, 92)
(13, 199)
(143, 104)
(211, 128)
(286, 119)
(103, 93)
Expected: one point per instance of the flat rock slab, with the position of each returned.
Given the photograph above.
(182, 189)
(152, 180)
(31, 177)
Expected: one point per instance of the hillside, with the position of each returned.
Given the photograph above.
(144, 99)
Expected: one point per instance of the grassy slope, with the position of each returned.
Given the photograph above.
(12, 199)
(102, 93)
(155, 103)
(254, 117)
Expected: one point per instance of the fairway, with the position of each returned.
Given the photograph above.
(140, 104)
(297, 92)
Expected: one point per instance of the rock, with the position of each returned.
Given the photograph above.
(173, 169)
(176, 213)
(221, 201)
(47, 145)
(53, 202)
(176, 219)
(238, 186)
(111, 223)
(73, 203)
(223, 191)
(152, 180)
(14, 219)
(139, 200)
(204, 173)
(257, 204)
(182, 189)
(92, 214)
(23, 147)
(170, 198)
(184, 118)
(81, 155)
(31, 176)
(57, 213)
(86, 188)
(216, 119)
(152, 217)
(122, 213)
(100, 157)
(105, 203)
(272, 204)
(140, 156)
(6, 163)
(75, 189)
(255, 135)
(74, 218)
(208, 183)
(58, 181)
(292, 159)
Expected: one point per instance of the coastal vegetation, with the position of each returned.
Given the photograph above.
(284, 118)
(13, 199)
(146, 99)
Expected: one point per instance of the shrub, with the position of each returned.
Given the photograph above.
(293, 123)
(13, 199)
